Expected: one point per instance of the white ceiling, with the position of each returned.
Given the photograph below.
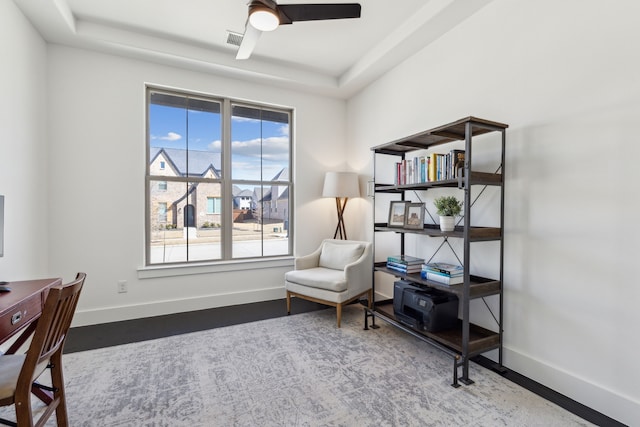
(337, 57)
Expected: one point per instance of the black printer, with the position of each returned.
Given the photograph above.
(425, 309)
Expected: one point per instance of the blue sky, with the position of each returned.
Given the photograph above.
(253, 141)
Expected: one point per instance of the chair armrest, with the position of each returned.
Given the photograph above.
(359, 274)
(308, 261)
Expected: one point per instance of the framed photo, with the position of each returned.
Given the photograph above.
(414, 216)
(397, 213)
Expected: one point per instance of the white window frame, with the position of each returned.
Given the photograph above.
(226, 181)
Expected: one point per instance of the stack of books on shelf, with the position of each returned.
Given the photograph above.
(431, 167)
(442, 272)
(405, 264)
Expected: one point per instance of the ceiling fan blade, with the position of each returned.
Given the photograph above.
(249, 41)
(315, 12)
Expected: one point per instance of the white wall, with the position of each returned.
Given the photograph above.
(97, 160)
(564, 76)
(23, 148)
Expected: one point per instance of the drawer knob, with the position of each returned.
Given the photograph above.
(16, 318)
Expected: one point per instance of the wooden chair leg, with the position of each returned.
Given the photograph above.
(370, 298)
(23, 410)
(339, 313)
(57, 380)
(288, 302)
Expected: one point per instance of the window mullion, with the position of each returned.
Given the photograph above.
(227, 185)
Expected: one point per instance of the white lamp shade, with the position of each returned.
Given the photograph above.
(341, 184)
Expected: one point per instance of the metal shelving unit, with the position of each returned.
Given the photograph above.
(467, 339)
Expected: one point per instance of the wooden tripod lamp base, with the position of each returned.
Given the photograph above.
(341, 186)
(341, 203)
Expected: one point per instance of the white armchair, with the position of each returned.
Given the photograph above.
(337, 273)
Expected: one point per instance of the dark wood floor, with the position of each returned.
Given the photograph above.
(116, 333)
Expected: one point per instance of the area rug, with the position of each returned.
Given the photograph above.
(298, 370)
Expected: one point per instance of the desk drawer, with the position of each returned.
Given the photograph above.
(20, 315)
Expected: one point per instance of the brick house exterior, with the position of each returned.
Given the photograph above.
(172, 205)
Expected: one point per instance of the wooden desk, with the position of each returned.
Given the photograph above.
(21, 307)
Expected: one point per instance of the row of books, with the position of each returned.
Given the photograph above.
(428, 168)
(441, 272)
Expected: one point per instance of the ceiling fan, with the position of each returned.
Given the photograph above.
(267, 15)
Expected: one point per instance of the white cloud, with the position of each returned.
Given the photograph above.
(171, 136)
(275, 148)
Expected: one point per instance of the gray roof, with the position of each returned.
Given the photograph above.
(238, 192)
(244, 193)
(282, 190)
(199, 161)
(283, 175)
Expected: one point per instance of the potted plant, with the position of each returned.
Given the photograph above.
(448, 208)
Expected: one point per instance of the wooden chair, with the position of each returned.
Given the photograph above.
(18, 372)
(335, 274)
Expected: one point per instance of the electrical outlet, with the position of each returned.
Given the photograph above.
(122, 286)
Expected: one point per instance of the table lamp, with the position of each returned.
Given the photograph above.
(341, 185)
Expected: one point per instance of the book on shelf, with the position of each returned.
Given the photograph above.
(433, 161)
(444, 268)
(405, 259)
(457, 163)
(442, 278)
(413, 268)
(409, 267)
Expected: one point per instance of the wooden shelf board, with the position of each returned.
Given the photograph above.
(480, 339)
(479, 286)
(454, 131)
(420, 186)
(476, 233)
(477, 178)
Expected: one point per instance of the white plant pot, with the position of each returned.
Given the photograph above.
(447, 223)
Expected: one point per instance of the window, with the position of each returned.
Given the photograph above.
(216, 169)
(162, 214)
(213, 205)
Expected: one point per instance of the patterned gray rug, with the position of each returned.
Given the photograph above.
(298, 370)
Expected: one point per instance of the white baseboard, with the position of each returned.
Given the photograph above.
(159, 308)
(614, 405)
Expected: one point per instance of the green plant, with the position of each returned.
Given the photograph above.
(448, 206)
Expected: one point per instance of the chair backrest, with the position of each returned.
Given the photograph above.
(51, 331)
(337, 254)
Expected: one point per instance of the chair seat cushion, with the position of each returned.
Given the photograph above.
(318, 277)
(10, 366)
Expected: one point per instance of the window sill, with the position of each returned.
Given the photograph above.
(218, 267)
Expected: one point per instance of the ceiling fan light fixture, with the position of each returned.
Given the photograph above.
(263, 18)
